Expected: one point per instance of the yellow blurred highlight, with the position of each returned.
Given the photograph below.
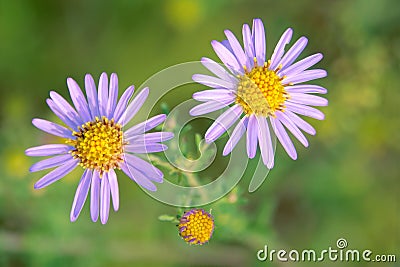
(183, 14)
(17, 164)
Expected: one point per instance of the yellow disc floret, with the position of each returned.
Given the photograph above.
(261, 91)
(196, 226)
(98, 145)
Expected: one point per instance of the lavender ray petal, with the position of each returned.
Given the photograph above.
(81, 195)
(212, 82)
(134, 106)
(300, 123)
(145, 148)
(50, 163)
(94, 196)
(223, 123)
(112, 95)
(113, 181)
(305, 110)
(59, 113)
(145, 126)
(283, 138)
(237, 133)
(280, 48)
(248, 46)
(104, 199)
(214, 94)
(236, 47)
(123, 102)
(66, 108)
(301, 65)
(78, 99)
(293, 52)
(305, 76)
(307, 99)
(208, 107)
(259, 41)
(292, 128)
(146, 168)
(226, 56)
(306, 88)
(56, 174)
(47, 150)
(92, 97)
(103, 94)
(264, 139)
(156, 137)
(217, 69)
(252, 139)
(52, 128)
(138, 177)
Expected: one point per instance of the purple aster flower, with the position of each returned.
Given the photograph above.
(196, 226)
(260, 93)
(96, 141)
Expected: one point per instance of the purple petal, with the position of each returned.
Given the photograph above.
(103, 94)
(156, 137)
(94, 196)
(292, 128)
(301, 65)
(264, 138)
(306, 88)
(305, 110)
(236, 47)
(223, 123)
(307, 99)
(50, 163)
(293, 52)
(236, 135)
(92, 97)
(56, 174)
(145, 148)
(252, 136)
(212, 82)
(283, 138)
(138, 177)
(146, 168)
(66, 108)
(79, 100)
(123, 102)
(214, 94)
(145, 126)
(259, 41)
(280, 48)
(248, 45)
(134, 106)
(81, 195)
(305, 76)
(208, 107)
(113, 95)
(60, 113)
(226, 56)
(113, 181)
(52, 128)
(302, 124)
(217, 69)
(104, 199)
(47, 150)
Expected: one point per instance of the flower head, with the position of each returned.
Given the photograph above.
(196, 226)
(260, 93)
(95, 140)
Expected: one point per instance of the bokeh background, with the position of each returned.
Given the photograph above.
(346, 184)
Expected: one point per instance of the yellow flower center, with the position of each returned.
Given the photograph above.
(261, 91)
(98, 145)
(196, 226)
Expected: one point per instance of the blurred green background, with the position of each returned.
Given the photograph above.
(346, 184)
